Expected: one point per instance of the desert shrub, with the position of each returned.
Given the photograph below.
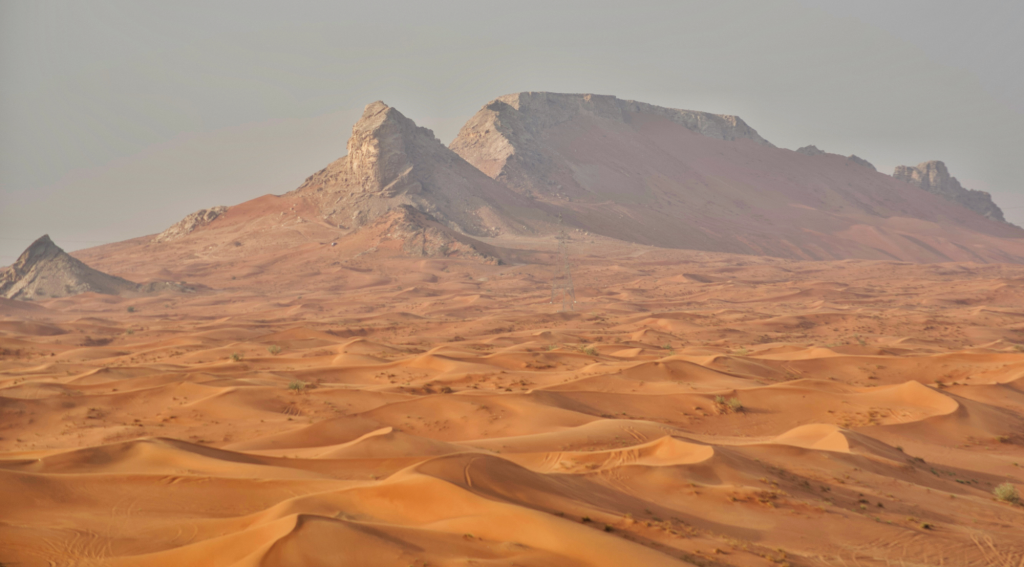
(734, 404)
(1006, 492)
(719, 399)
(236, 356)
(274, 350)
(131, 309)
(590, 351)
(297, 385)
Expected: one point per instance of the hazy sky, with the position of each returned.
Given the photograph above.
(119, 118)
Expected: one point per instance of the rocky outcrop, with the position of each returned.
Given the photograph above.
(392, 162)
(189, 224)
(44, 270)
(814, 151)
(810, 151)
(861, 161)
(932, 176)
(419, 234)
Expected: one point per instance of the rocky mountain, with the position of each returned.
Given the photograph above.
(44, 270)
(932, 176)
(392, 162)
(190, 223)
(528, 162)
(399, 190)
(685, 179)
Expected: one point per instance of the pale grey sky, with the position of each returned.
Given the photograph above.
(119, 118)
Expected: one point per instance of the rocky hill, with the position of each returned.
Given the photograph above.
(44, 270)
(392, 162)
(613, 168)
(932, 176)
(685, 179)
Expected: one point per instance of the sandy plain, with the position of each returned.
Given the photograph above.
(694, 408)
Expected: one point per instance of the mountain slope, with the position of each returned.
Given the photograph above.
(398, 191)
(686, 179)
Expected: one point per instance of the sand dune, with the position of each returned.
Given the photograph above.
(695, 409)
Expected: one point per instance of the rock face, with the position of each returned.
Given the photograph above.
(932, 176)
(187, 225)
(505, 139)
(392, 162)
(44, 270)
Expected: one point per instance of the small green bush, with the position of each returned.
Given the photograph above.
(735, 404)
(297, 385)
(131, 309)
(590, 351)
(274, 350)
(1006, 492)
(236, 356)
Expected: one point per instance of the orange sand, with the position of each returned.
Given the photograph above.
(445, 414)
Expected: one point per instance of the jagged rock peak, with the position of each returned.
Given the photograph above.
(190, 224)
(933, 176)
(392, 162)
(379, 149)
(42, 248)
(45, 270)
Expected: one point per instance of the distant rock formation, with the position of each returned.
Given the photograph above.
(810, 151)
(814, 151)
(44, 270)
(527, 162)
(683, 179)
(393, 162)
(187, 225)
(861, 161)
(932, 176)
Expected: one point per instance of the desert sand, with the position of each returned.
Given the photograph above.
(694, 409)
